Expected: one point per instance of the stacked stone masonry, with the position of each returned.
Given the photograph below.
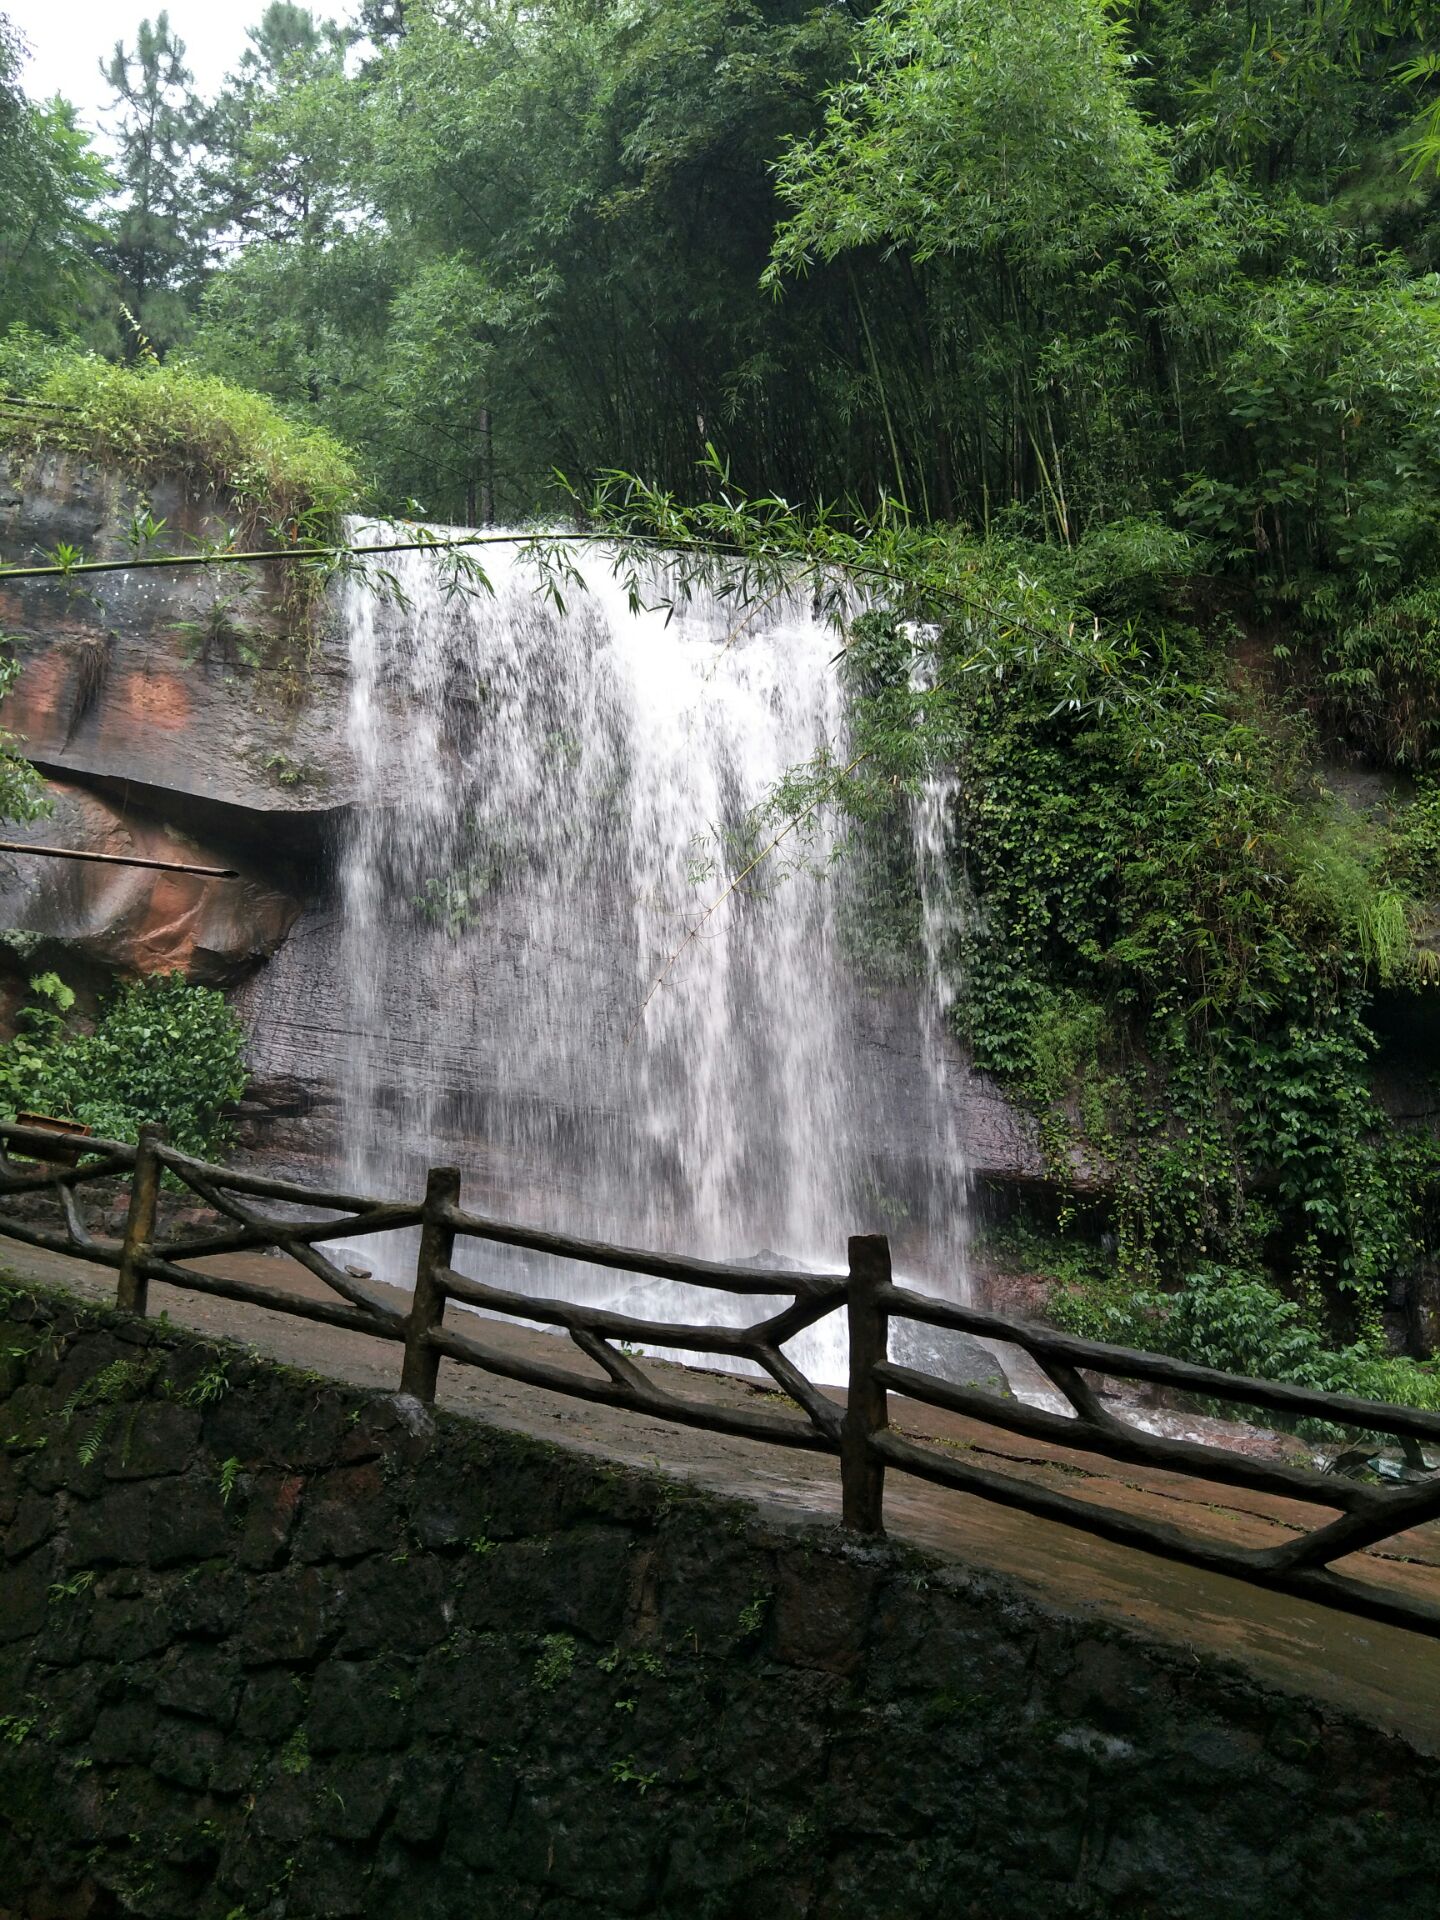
(270, 1646)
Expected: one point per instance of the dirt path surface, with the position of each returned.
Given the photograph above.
(1388, 1675)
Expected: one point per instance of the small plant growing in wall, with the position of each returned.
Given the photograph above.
(71, 1589)
(213, 1384)
(752, 1617)
(221, 628)
(556, 1662)
(288, 772)
(105, 1391)
(627, 1773)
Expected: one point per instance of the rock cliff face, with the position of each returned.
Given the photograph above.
(177, 717)
(161, 709)
(178, 686)
(130, 920)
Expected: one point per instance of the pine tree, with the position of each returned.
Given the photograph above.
(155, 240)
(265, 174)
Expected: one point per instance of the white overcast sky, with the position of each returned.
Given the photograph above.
(69, 38)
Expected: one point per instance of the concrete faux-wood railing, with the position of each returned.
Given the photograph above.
(859, 1434)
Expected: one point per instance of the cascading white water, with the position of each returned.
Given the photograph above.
(548, 801)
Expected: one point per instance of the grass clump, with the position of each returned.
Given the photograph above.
(158, 419)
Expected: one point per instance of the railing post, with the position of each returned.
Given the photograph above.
(867, 1405)
(133, 1289)
(437, 1244)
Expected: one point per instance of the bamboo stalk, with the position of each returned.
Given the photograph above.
(254, 555)
(119, 860)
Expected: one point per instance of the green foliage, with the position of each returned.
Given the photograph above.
(1238, 1323)
(556, 1662)
(1411, 859)
(104, 1391)
(966, 130)
(210, 1385)
(71, 1589)
(1379, 656)
(753, 1615)
(1332, 388)
(456, 899)
(47, 214)
(26, 357)
(154, 243)
(628, 1773)
(154, 420)
(554, 215)
(161, 1050)
(22, 791)
(114, 1382)
(1169, 961)
(263, 172)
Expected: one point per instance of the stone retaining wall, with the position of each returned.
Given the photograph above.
(270, 1646)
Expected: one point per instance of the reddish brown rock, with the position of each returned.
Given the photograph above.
(182, 682)
(134, 920)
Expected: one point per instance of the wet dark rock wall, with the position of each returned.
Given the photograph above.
(162, 709)
(171, 731)
(179, 685)
(270, 1646)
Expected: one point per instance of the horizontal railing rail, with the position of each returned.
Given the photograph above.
(35, 1161)
(1158, 1369)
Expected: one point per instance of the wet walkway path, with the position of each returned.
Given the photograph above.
(1386, 1674)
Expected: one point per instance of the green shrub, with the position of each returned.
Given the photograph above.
(161, 1050)
(1380, 669)
(1411, 858)
(1133, 565)
(27, 357)
(157, 420)
(1236, 1322)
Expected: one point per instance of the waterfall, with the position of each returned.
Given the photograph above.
(548, 801)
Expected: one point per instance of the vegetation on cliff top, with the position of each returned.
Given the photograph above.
(154, 420)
